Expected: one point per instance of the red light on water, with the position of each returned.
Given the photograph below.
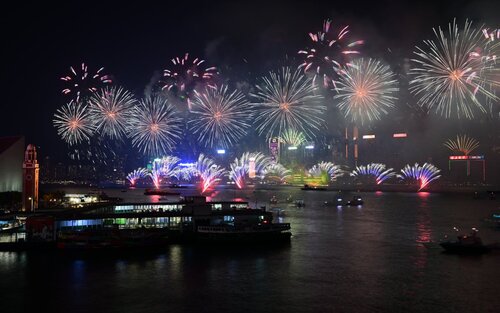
(423, 194)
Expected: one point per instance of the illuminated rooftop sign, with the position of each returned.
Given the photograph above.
(368, 136)
(399, 135)
(466, 157)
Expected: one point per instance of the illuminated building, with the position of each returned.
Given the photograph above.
(11, 163)
(30, 179)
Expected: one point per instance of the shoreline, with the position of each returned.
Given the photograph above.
(480, 189)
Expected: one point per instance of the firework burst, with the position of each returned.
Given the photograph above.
(80, 82)
(135, 175)
(237, 174)
(185, 75)
(333, 171)
(328, 53)
(209, 172)
(376, 170)
(153, 126)
(155, 175)
(454, 75)
(276, 172)
(73, 123)
(366, 90)
(293, 137)
(220, 117)
(169, 166)
(251, 164)
(463, 144)
(423, 174)
(110, 111)
(288, 101)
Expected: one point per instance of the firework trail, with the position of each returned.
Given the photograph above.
(288, 101)
(80, 82)
(185, 173)
(220, 117)
(292, 137)
(169, 166)
(155, 176)
(185, 75)
(328, 54)
(251, 164)
(153, 126)
(424, 174)
(366, 90)
(109, 110)
(209, 172)
(237, 174)
(133, 176)
(73, 123)
(333, 171)
(258, 160)
(451, 75)
(377, 170)
(463, 144)
(276, 172)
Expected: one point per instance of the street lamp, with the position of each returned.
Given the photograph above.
(31, 200)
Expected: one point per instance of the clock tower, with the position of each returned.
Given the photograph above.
(30, 180)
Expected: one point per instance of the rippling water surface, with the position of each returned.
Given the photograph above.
(354, 259)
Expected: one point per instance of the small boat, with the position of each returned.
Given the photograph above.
(494, 219)
(307, 187)
(356, 200)
(465, 244)
(299, 203)
(176, 186)
(161, 192)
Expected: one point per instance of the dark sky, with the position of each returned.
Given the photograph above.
(132, 41)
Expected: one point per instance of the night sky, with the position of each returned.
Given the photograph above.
(135, 41)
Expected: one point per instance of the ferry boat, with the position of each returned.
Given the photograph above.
(139, 225)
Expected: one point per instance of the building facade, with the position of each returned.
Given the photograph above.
(11, 163)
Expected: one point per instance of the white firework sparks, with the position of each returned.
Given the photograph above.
(110, 111)
(366, 90)
(288, 101)
(154, 127)
(73, 123)
(220, 117)
(454, 75)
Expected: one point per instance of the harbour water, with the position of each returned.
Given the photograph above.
(351, 259)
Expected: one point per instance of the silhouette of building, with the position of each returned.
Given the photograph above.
(11, 163)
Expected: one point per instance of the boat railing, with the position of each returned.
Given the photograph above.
(227, 229)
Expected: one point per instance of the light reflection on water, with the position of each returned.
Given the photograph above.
(344, 259)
